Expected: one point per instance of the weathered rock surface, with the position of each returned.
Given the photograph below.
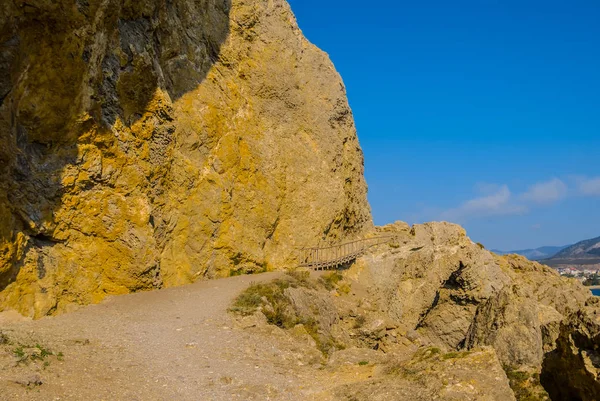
(487, 322)
(572, 370)
(453, 294)
(325, 338)
(147, 144)
(457, 295)
(180, 343)
(432, 375)
(368, 354)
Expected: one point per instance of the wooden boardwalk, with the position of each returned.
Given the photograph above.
(334, 256)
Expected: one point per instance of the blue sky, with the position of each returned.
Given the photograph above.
(484, 113)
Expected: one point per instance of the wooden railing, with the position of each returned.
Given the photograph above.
(333, 256)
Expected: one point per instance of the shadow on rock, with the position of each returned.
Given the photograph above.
(73, 74)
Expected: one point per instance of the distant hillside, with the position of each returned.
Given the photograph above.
(582, 253)
(543, 252)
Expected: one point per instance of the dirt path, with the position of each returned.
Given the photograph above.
(173, 344)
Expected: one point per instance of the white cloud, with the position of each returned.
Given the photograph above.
(589, 186)
(546, 192)
(497, 203)
(497, 200)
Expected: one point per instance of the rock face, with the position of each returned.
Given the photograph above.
(571, 372)
(433, 375)
(455, 295)
(440, 317)
(147, 144)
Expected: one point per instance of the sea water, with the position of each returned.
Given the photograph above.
(596, 292)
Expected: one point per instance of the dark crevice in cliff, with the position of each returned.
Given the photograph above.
(454, 282)
(426, 312)
(8, 53)
(449, 286)
(45, 239)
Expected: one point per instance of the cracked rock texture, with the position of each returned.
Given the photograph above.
(572, 370)
(147, 144)
(432, 375)
(454, 294)
(457, 295)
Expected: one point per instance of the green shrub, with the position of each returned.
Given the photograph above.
(25, 353)
(525, 385)
(330, 280)
(270, 298)
(301, 278)
(19, 352)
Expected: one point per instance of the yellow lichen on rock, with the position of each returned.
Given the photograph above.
(145, 145)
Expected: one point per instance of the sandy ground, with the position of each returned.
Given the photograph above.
(173, 344)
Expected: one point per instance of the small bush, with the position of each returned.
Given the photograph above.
(19, 352)
(25, 353)
(270, 297)
(271, 300)
(43, 353)
(363, 363)
(525, 385)
(301, 277)
(331, 280)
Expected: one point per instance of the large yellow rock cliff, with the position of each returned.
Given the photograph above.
(151, 143)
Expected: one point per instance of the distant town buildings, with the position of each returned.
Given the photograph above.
(586, 276)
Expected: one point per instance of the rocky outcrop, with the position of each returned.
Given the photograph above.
(370, 356)
(433, 375)
(571, 371)
(457, 295)
(147, 144)
(453, 294)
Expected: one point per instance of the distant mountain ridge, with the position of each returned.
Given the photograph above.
(586, 252)
(540, 253)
